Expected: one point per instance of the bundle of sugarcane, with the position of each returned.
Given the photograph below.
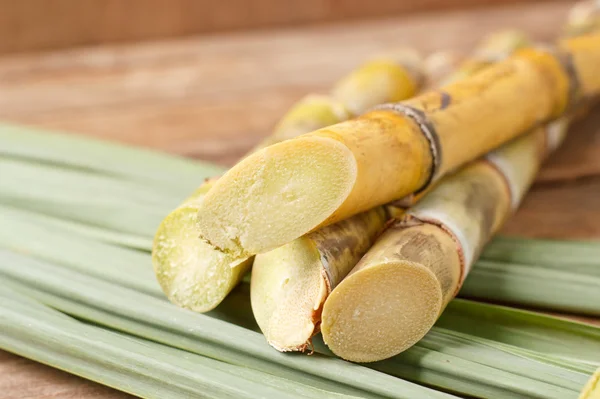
(90, 216)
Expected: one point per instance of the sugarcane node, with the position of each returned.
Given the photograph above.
(427, 128)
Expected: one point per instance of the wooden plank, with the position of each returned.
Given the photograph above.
(29, 25)
(215, 97)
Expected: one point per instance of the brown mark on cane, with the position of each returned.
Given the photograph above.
(445, 100)
(332, 248)
(350, 235)
(481, 201)
(414, 245)
(425, 249)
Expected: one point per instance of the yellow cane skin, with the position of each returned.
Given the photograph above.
(475, 115)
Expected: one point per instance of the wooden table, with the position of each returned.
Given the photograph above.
(213, 97)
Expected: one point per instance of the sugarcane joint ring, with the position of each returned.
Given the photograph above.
(428, 130)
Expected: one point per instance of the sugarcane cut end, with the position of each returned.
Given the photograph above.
(380, 311)
(192, 273)
(287, 292)
(277, 195)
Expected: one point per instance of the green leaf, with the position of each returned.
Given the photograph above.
(109, 158)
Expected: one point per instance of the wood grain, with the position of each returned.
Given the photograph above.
(30, 25)
(215, 97)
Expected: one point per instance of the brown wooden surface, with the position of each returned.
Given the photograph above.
(29, 25)
(24, 379)
(215, 97)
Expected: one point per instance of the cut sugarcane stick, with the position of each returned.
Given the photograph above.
(291, 283)
(191, 273)
(195, 275)
(392, 298)
(291, 188)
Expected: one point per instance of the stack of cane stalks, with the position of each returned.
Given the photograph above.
(348, 233)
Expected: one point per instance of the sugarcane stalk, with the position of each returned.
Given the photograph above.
(195, 275)
(291, 188)
(290, 284)
(418, 265)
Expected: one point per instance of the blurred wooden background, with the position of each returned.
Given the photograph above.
(221, 75)
(30, 25)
